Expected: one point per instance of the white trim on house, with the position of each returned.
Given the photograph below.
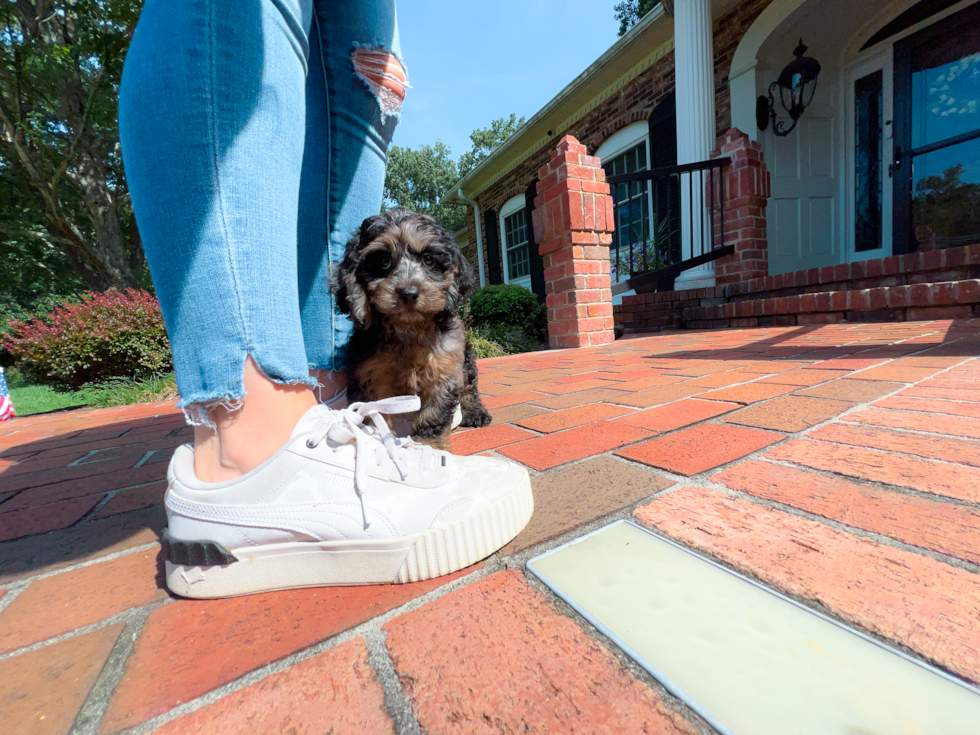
(622, 140)
(512, 206)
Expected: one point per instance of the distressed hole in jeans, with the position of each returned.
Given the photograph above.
(384, 75)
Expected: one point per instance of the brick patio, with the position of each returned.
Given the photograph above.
(839, 464)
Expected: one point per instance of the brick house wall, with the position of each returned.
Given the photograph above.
(632, 103)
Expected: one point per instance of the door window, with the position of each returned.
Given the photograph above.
(868, 154)
(941, 140)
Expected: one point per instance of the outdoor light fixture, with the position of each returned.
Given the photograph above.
(797, 83)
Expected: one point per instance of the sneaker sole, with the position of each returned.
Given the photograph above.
(432, 553)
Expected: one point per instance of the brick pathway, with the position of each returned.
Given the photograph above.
(839, 464)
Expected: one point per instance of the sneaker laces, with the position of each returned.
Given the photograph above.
(349, 424)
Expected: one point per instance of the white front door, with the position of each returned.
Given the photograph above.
(802, 216)
(867, 92)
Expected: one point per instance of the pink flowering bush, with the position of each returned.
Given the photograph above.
(105, 335)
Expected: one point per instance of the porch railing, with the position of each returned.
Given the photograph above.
(684, 225)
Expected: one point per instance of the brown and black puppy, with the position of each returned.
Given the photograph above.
(402, 281)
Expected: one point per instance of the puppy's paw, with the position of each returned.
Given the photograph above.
(476, 417)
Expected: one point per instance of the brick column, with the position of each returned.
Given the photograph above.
(573, 219)
(746, 196)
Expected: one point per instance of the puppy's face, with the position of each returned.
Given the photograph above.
(403, 266)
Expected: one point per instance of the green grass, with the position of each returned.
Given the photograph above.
(32, 399)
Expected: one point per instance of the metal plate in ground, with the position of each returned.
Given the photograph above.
(751, 662)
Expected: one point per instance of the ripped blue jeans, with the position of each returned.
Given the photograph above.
(254, 136)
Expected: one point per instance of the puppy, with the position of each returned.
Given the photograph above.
(402, 281)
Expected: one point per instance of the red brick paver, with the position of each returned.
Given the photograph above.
(64, 602)
(185, 648)
(677, 415)
(41, 692)
(333, 692)
(912, 599)
(496, 657)
(893, 460)
(691, 451)
(545, 452)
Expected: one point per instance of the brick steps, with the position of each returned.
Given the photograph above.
(917, 302)
(934, 284)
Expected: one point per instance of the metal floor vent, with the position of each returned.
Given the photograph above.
(748, 660)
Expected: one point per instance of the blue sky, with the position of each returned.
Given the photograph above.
(470, 62)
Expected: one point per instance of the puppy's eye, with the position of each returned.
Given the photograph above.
(384, 262)
(428, 260)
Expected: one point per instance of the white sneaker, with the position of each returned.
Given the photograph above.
(342, 503)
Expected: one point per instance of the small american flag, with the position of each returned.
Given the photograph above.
(6, 406)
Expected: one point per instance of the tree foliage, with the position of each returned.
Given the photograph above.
(65, 217)
(947, 208)
(417, 178)
(629, 12)
(486, 139)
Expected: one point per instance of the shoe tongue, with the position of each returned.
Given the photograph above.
(315, 419)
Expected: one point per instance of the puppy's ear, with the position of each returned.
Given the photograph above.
(351, 298)
(357, 302)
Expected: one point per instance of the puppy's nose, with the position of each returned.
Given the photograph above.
(410, 294)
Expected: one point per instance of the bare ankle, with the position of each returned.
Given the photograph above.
(246, 437)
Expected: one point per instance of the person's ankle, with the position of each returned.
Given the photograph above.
(331, 384)
(246, 436)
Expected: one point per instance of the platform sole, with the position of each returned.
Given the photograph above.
(432, 553)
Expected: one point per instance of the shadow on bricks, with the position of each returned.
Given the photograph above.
(77, 487)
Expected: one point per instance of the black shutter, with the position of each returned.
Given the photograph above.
(493, 247)
(663, 133)
(537, 262)
(667, 195)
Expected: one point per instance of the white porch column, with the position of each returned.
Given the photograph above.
(695, 93)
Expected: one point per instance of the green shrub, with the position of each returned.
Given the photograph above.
(499, 341)
(508, 307)
(483, 346)
(103, 336)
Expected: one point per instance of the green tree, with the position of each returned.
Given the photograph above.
(60, 66)
(486, 139)
(417, 178)
(629, 12)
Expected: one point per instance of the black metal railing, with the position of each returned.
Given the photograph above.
(648, 253)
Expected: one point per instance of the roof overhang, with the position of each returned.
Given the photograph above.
(642, 46)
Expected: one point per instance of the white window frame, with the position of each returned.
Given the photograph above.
(620, 142)
(512, 206)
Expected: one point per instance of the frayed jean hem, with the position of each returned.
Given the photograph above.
(198, 409)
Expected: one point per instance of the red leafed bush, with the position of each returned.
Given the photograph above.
(106, 335)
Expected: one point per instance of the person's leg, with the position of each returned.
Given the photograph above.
(355, 88)
(212, 124)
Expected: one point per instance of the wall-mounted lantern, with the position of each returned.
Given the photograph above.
(797, 84)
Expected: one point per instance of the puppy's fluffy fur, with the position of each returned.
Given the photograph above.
(402, 281)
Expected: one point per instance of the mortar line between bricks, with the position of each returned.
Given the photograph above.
(90, 716)
(88, 562)
(275, 667)
(397, 702)
(905, 430)
(624, 660)
(11, 593)
(876, 484)
(880, 538)
(123, 616)
(16, 493)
